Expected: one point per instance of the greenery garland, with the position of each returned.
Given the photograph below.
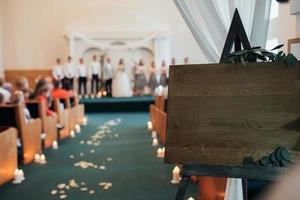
(257, 54)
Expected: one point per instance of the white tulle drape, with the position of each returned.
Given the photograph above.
(209, 21)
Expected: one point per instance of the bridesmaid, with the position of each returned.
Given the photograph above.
(163, 76)
(140, 79)
(152, 84)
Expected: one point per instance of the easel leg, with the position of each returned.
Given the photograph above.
(182, 187)
(245, 188)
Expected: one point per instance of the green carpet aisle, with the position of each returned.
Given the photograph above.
(126, 152)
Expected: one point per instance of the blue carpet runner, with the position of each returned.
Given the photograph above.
(134, 171)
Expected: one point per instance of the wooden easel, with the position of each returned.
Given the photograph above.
(251, 172)
(236, 37)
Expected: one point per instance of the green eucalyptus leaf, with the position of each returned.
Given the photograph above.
(243, 61)
(290, 60)
(241, 52)
(277, 47)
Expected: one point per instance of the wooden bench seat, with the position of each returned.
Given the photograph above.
(8, 154)
(161, 124)
(78, 109)
(38, 109)
(29, 133)
(63, 117)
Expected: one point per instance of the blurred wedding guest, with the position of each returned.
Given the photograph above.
(2, 99)
(19, 98)
(22, 84)
(121, 84)
(286, 186)
(69, 74)
(95, 69)
(108, 74)
(186, 60)
(173, 61)
(57, 71)
(42, 93)
(6, 94)
(163, 75)
(152, 83)
(58, 91)
(82, 73)
(140, 79)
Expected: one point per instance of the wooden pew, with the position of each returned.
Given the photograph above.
(80, 112)
(38, 109)
(8, 154)
(152, 116)
(161, 124)
(212, 188)
(29, 133)
(72, 113)
(160, 102)
(63, 117)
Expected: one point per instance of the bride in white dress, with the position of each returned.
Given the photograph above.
(121, 85)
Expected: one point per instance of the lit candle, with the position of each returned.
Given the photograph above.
(104, 93)
(84, 121)
(191, 198)
(77, 128)
(176, 175)
(54, 145)
(150, 126)
(17, 177)
(16, 173)
(72, 134)
(154, 142)
(99, 95)
(159, 153)
(154, 134)
(43, 159)
(21, 175)
(37, 158)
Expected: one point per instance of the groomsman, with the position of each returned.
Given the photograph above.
(186, 60)
(57, 71)
(82, 73)
(108, 76)
(95, 69)
(68, 70)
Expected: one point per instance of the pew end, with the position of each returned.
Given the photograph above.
(29, 133)
(38, 109)
(8, 154)
(63, 117)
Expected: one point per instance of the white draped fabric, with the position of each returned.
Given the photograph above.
(209, 21)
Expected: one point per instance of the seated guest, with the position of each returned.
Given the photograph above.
(6, 94)
(43, 94)
(58, 92)
(18, 98)
(22, 84)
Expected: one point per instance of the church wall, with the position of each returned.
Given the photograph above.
(34, 29)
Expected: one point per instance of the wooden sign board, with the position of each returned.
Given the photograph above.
(220, 113)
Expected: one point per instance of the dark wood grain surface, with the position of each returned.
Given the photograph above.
(220, 113)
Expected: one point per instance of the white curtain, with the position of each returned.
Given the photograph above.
(209, 21)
